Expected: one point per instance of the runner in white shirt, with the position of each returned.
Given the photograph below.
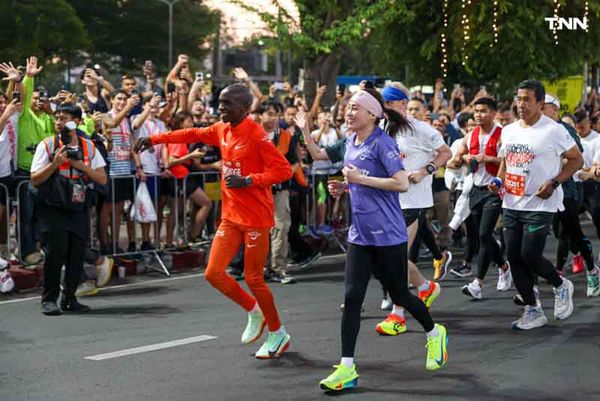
(422, 150)
(532, 170)
(480, 153)
(590, 140)
(567, 227)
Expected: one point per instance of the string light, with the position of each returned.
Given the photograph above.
(554, 26)
(585, 17)
(444, 64)
(466, 29)
(495, 24)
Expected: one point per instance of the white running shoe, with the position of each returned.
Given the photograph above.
(504, 279)
(563, 300)
(533, 317)
(473, 289)
(86, 288)
(104, 271)
(386, 303)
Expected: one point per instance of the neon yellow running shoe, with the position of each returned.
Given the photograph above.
(430, 295)
(391, 326)
(342, 378)
(437, 349)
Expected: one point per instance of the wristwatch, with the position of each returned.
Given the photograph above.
(431, 168)
(555, 183)
(248, 181)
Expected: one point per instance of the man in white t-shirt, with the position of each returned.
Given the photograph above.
(532, 170)
(590, 140)
(479, 152)
(9, 119)
(422, 150)
(63, 168)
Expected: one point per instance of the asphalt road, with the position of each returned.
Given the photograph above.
(44, 358)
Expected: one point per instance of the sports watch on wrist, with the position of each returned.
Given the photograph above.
(555, 183)
(248, 181)
(431, 168)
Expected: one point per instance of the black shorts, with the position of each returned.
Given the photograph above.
(123, 188)
(167, 186)
(410, 216)
(7, 183)
(531, 221)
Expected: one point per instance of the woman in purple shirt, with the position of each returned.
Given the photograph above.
(377, 238)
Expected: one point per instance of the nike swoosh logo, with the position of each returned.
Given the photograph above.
(441, 361)
(271, 353)
(251, 246)
(534, 229)
(239, 146)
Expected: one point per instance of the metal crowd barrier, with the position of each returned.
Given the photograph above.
(212, 190)
(7, 218)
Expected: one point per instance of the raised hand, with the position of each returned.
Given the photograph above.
(183, 59)
(300, 119)
(240, 74)
(11, 72)
(32, 67)
(321, 90)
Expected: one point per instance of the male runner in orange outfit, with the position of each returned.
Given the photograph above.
(251, 165)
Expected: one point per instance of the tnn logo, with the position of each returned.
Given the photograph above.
(571, 24)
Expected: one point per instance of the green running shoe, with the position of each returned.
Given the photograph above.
(437, 349)
(342, 378)
(391, 326)
(254, 328)
(277, 343)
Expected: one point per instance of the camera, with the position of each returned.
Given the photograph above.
(199, 76)
(16, 95)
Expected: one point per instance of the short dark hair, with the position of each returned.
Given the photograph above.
(178, 119)
(417, 99)
(536, 86)
(127, 76)
(505, 107)
(290, 106)
(579, 116)
(264, 106)
(70, 108)
(487, 101)
(463, 119)
(116, 92)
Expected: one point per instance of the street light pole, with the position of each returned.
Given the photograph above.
(170, 3)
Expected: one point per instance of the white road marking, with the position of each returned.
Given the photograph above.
(149, 348)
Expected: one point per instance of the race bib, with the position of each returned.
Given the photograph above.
(514, 184)
(78, 194)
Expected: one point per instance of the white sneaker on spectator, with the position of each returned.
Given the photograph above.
(533, 317)
(504, 279)
(473, 289)
(386, 303)
(104, 271)
(563, 300)
(3, 264)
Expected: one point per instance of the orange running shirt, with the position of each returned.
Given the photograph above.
(178, 150)
(246, 151)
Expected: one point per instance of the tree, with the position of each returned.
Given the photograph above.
(137, 30)
(45, 28)
(525, 45)
(323, 30)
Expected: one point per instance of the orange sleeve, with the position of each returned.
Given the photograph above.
(276, 167)
(208, 135)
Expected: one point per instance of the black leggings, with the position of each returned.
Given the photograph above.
(424, 234)
(525, 235)
(390, 265)
(570, 236)
(591, 201)
(472, 245)
(485, 213)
